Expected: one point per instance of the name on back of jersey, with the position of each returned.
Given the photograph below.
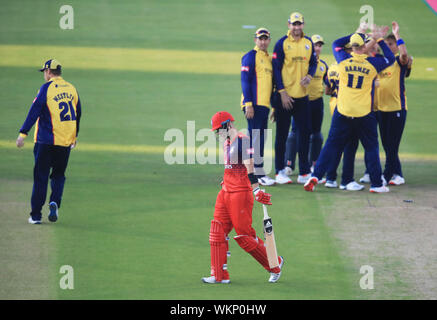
(356, 69)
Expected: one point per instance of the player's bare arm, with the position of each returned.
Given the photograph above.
(305, 81)
(403, 54)
(249, 111)
(20, 140)
(287, 101)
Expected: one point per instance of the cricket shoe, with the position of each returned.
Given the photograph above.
(381, 189)
(352, 186)
(31, 221)
(211, 279)
(288, 171)
(302, 179)
(266, 181)
(311, 184)
(396, 180)
(274, 277)
(282, 178)
(53, 215)
(322, 181)
(331, 184)
(365, 178)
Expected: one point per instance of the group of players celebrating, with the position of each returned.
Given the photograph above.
(367, 90)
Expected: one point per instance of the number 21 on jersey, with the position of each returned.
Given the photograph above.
(67, 113)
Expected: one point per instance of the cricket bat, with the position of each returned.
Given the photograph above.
(269, 240)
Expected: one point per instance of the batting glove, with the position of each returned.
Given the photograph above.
(262, 196)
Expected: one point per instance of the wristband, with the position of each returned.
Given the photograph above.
(22, 135)
(400, 42)
(255, 191)
(252, 178)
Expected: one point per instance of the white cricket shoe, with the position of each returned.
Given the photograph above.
(365, 178)
(352, 186)
(282, 178)
(384, 182)
(396, 180)
(211, 279)
(331, 184)
(311, 184)
(266, 181)
(288, 171)
(323, 180)
(302, 179)
(31, 221)
(274, 277)
(379, 189)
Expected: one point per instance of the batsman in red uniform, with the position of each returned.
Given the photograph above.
(233, 207)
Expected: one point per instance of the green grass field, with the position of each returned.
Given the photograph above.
(134, 227)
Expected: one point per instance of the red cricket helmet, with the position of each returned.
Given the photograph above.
(219, 119)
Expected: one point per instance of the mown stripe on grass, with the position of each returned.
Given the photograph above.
(153, 149)
(155, 60)
(27, 252)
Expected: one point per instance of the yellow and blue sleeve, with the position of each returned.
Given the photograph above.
(247, 76)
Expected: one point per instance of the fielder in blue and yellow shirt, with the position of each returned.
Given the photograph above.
(56, 110)
(256, 84)
(294, 65)
(392, 106)
(315, 95)
(353, 115)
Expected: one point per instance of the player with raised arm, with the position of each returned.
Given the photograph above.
(353, 115)
(392, 106)
(233, 207)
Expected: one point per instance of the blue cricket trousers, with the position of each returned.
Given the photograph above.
(342, 128)
(302, 116)
(256, 127)
(48, 157)
(349, 153)
(316, 137)
(391, 127)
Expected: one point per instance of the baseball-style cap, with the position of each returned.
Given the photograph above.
(219, 119)
(52, 64)
(317, 38)
(295, 17)
(262, 32)
(357, 39)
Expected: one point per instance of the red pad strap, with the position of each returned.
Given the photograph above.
(247, 243)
